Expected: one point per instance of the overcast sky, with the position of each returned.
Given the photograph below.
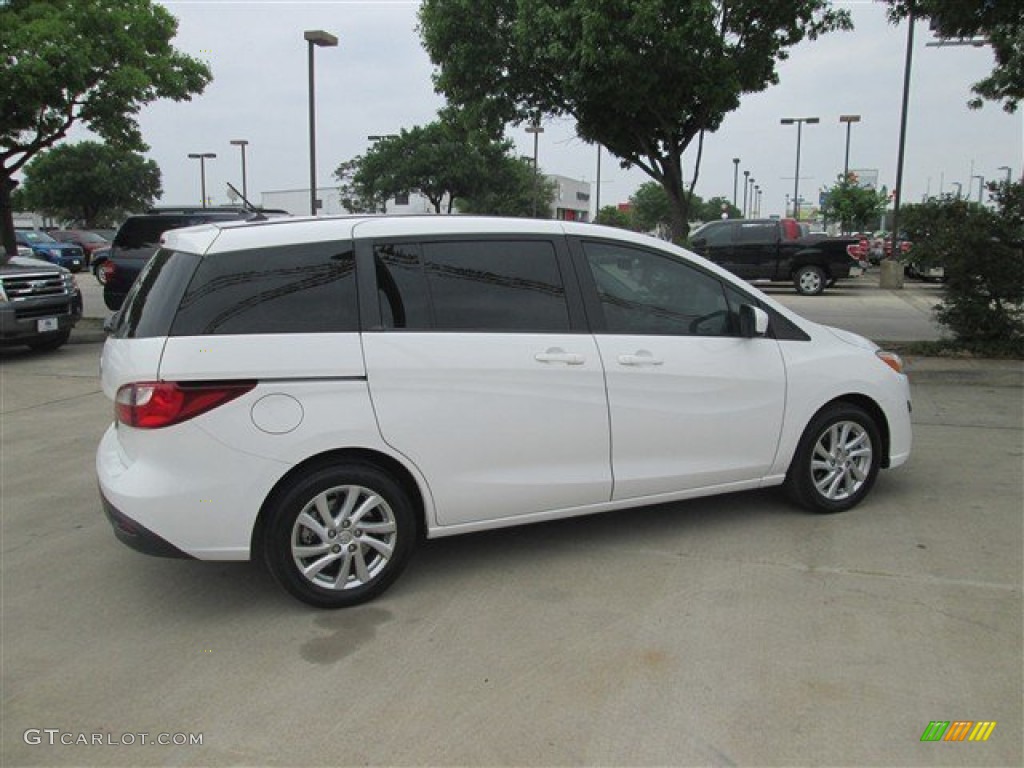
(379, 80)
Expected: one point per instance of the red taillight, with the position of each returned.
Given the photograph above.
(108, 269)
(155, 404)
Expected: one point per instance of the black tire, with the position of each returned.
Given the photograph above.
(49, 342)
(97, 270)
(809, 280)
(354, 567)
(830, 470)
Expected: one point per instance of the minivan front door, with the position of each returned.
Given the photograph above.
(479, 377)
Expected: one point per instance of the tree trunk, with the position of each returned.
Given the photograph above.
(7, 185)
(680, 217)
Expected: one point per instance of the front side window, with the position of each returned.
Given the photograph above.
(291, 289)
(718, 235)
(647, 293)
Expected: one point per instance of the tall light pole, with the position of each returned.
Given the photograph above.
(597, 204)
(959, 188)
(760, 192)
(735, 178)
(981, 185)
(849, 120)
(202, 157)
(241, 144)
(314, 37)
(1008, 172)
(796, 179)
(753, 204)
(747, 180)
(536, 129)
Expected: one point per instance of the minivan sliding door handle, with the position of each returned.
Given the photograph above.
(556, 355)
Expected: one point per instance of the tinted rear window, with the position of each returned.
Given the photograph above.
(152, 302)
(145, 231)
(291, 289)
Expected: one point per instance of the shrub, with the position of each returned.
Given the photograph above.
(982, 251)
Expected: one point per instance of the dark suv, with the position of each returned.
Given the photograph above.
(139, 238)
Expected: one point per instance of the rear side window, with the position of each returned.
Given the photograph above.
(307, 288)
(757, 234)
(720, 235)
(471, 285)
(152, 302)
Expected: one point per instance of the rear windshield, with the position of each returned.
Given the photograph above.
(143, 231)
(153, 300)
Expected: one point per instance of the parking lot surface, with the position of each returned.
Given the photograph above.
(735, 630)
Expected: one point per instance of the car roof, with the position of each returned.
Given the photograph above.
(223, 236)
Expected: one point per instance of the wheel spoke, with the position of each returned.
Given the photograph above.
(371, 503)
(360, 563)
(351, 497)
(311, 571)
(313, 551)
(308, 521)
(378, 545)
(323, 508)
(344, 570)
(378, 528)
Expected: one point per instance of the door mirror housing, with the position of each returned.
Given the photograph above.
(753, 321)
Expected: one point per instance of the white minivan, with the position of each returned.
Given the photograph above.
(320, 393)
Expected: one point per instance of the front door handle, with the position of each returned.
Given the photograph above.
(643, 357)
(558, 355)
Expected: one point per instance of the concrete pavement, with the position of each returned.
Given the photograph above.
(728, 631)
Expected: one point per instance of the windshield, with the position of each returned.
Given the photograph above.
(35, 237)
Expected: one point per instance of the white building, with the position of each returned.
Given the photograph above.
(571, 203)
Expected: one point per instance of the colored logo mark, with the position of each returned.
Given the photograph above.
(958, 730)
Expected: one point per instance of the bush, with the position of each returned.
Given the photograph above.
(982, 251)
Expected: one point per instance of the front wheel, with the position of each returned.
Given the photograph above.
(340, 536)
(837, 460)
(809, 280)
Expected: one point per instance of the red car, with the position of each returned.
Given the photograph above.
(90, 241)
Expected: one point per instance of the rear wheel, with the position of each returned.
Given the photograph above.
(809, 280)
(97, 270)
(837, 460)
(340, 536)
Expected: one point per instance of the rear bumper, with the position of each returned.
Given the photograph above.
(137, 536)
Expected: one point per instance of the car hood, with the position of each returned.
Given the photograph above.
(25, 264)
(852, 338)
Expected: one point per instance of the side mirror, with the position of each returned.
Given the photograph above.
(110, 324)
(753, 321)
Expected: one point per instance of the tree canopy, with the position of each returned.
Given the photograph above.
(1000, 23)
(94, 63)
(644, 78)
(91, 183)
(651, 209)
(447, 163)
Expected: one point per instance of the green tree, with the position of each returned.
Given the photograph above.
(613, 216)
(1001, 23)
(709, 210)
(91, 183)
(644, 78)
(982, 252)
(94, 63)
(442, 160)
(508, 189)
(652, 209)
(855, 207)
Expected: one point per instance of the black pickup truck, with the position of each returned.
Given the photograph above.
(776, 250)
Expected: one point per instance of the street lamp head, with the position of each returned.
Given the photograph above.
(736, 160)
(203, 155)
(321, 38)
(238, 142)
(746, 173)
(849, 118)
(535, 128)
